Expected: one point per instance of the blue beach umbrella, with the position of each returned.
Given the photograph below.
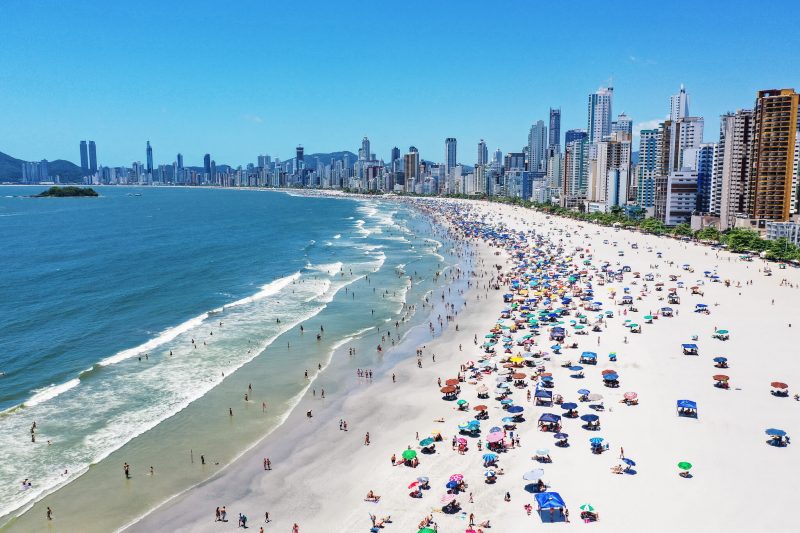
(426, 442)
(575, 368)
(509, 420)
(596, 440)
(590, 418)
(773, 432)
(611, 377)
(560, 436)
(583, 392)
(507, 401)
(495, 429)
(569, 406)
(489, 457)
(720, 359)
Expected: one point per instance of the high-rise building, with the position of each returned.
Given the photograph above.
(364, 152)
(149, 158)
(679, 105)
(300, 163)
(574, 135)
(514, 161)
(687, 133)
(576, 172)
(537, 147)
(599, 111)
(554, 138)
(92, 157)
(395, 154)
(84, 158)
(483, 153)
(449, 153)
(623, 124)
(498, 156)
(179, 160)
(647, 168)
(704, 164)
(207, 166)
(411, 169)
(772, 159)
(730, 185)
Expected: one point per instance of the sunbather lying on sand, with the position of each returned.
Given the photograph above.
(371, 497)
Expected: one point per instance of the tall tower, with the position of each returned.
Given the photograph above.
(599, 119)
(395, 154)
(774, 133)
(623, 124)
(365, 149)
(300, 163)
(149, 158)
(411, 169)
(84, 158)
(92, 157)
(483, 153)
(450, 153)
(207, 166)
(180, 161)
(679, 105)
(537, 147)
(554, 139)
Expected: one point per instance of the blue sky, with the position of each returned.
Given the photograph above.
(243, 78)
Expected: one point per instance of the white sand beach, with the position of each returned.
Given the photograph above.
(321, 474)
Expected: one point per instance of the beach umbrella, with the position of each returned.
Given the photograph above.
(426, 442)
(587, 507)
(629, 462)
(683, 465)
(509, 420)
(507, 401)
(489, 473)
(569, 406)
(575, 368)
(457, 477)
(423, 479)
(462, 440)
(426, 530)
(561, 436)
(583, 392)
(452, 382)
(464, 427)
(534, 475)
(779, 385)
(494, 437)
(722, 331)
(461, 402)
(720, 359)
(590, 418)
(596, 440)
(447, 498)
(543, 451)
(611, 377)
(409, 455)
(495, 429)
(608, 371)
(480, 408)
(489, 457)
(515, 409)
(630, 395)
(595, 397)
(721, 377)
(547, 378)
(773, 432)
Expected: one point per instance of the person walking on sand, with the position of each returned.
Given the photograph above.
(366, 439)
(295, 529)
(127, 469)
(621, 452)
(217, 515)
(49, 514)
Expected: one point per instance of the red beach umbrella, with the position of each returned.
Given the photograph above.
(779, 385)
(721, 377)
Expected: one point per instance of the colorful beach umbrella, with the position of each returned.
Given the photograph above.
(683, 465)
(426, 442)
(408, 455)
(779, 385)
(587, 507)
(534, 475)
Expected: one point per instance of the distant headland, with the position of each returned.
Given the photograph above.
(66, 192)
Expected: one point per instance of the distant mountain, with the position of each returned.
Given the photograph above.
(11, 170)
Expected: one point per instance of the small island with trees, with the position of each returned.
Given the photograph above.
(67, 192)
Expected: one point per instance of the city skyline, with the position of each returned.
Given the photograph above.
(266, 97)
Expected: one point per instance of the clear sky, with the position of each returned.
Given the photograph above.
(246, 77)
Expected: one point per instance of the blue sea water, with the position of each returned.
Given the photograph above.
(91, 287)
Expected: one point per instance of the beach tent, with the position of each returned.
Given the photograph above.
(550, 500)
(549, 418)
(689, 349)
(687, 408)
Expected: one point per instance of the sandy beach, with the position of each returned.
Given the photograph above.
(320, 474)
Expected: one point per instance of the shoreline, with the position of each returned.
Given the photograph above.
(28, 514)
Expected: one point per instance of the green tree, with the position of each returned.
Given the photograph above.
(653, 225)
(709, 233)
(782, 250)
(682, 230)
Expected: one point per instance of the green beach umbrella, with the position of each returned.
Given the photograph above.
(461, 402)
(633, 325)
(409, 455)
(426, 530)
(579, 327)
(683, 465)
(648, 317)
(722, 331)
(587, 507)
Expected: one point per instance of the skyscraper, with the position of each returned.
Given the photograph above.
(207, 166)
(365, 151)
(623, 124)
(92, 157)
(554, 139)
(599, 119)
(300, 163)
(537, 147)
(449, 153)
(774, 133)
(647, 168)
(736, 134)
(395, 154)
(498, 156)
(84, 158)
(687, 133)
(149, 158)
(679, 105)
(483, 153)
(411, 169)
(574, 135)
(180, 161)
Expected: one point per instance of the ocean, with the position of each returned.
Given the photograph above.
(130, 317)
